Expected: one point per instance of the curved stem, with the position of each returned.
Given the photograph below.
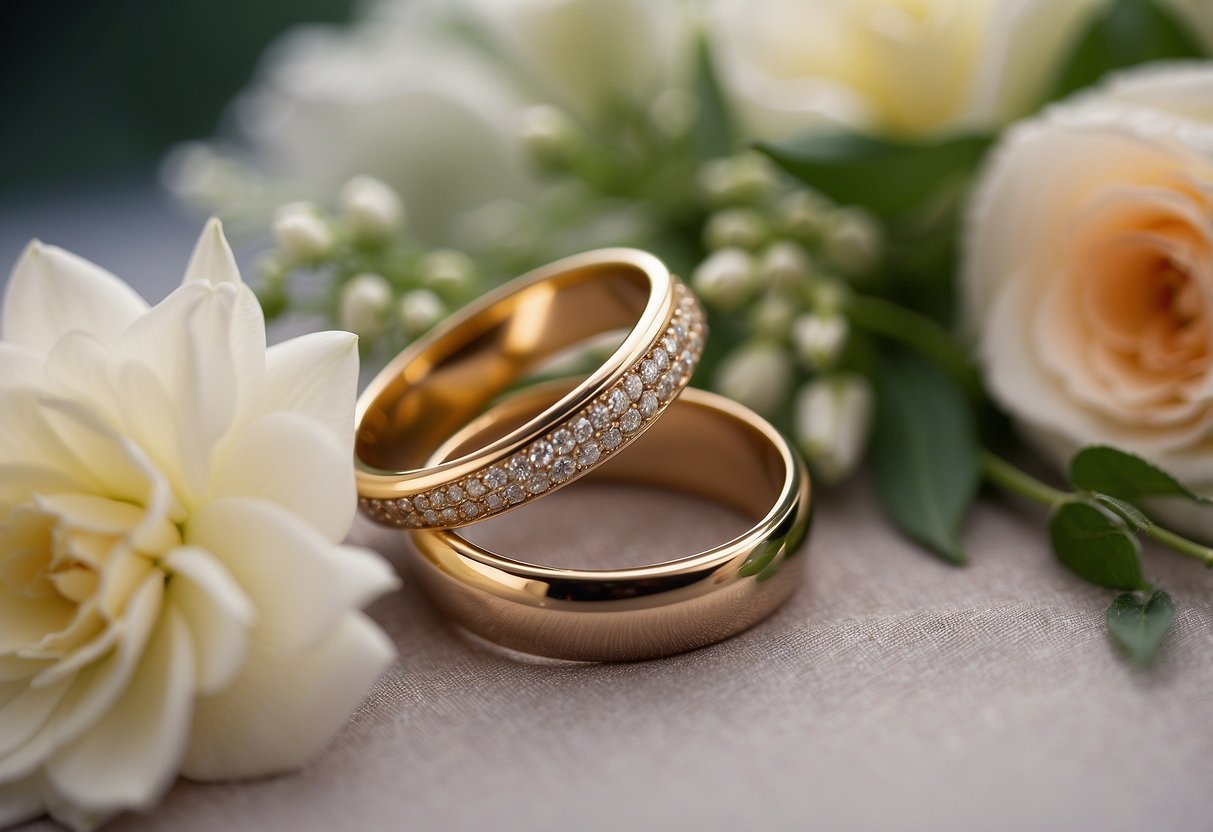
(1178, 543)
(1009, 478)
(891, 320)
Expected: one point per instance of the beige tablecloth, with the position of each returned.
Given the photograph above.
(893, 692)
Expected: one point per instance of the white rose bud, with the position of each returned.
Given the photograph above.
(725, 278)
(364, 304)
(853, 240)
(447, 270)
(735, 227)
(820, 339)
(785, 265)
(301, 232)
(547, 134)
(758, 376)
(420, 309)
(803, 214)
(833, 417)
(743, 179)
(772, 316)
(371, 208)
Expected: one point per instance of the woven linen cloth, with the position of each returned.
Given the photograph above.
(892, 692)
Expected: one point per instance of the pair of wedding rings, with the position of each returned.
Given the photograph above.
(430, 458)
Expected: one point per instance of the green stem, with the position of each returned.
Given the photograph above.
(1009, 478)
(891, 320)
(1178, 543)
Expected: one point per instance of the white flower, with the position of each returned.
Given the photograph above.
(174, 595)
(1088, 282)
(402, 100)
(904, 67)
(301, 232)
(447, 270)
(833, 418)
(785, 265)
(364, 304)
(725, 278)
(591, 57)
(820, 339)
(547, 134)
(853, 240)
(420, 309)
(757, 375)
(735, 227)
(371, 208)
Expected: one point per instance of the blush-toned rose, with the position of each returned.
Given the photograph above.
(1088, 283)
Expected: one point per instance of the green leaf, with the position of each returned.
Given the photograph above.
(1139, 628)
(1126, 33)
(1094, 543)
(1131, 514)
(889, 178)
(925, 452)
(714, 132)
(1125, 476)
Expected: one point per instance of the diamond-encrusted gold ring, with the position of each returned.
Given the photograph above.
(445, 379)
(705, 445)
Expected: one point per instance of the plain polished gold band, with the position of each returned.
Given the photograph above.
(446, 378)
(705, 445)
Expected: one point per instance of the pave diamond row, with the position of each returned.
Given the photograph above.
(606, 425)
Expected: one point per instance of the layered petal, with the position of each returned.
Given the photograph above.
(212, 260)
(259, 542)
(127, 759)
(52, 292)
(317, 375)
(285, 707)
(216, 612)
(292, 460)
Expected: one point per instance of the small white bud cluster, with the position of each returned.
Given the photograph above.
(832, 421)
(302, 233)
(372, 209)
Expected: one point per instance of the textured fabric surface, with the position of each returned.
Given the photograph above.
(892, 692)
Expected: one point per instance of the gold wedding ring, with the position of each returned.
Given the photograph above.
(445, 379)
(704, 445)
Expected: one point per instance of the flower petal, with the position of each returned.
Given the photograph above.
(52, 292)
(212, 260)
(149, 723)
(22, 717)
(316, 374)
(293, 460)
(19, 366)
(216, 611)
(21, 801)
(264, 545)
(284, 708)
(96, 688)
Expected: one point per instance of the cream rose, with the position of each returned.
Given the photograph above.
(174, 595)
(1088, 281)
(900, 67)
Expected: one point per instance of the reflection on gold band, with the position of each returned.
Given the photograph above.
(705, 445)
(445, 379)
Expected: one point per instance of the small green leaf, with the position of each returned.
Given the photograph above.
(1139, 628)
(925, 452)
(714, 133)
(887, 177)
(1128, 512)
(1124, 34)
(1094, 543)
(1125, 476)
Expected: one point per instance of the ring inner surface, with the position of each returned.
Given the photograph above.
(694, 449)
(442, 389)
